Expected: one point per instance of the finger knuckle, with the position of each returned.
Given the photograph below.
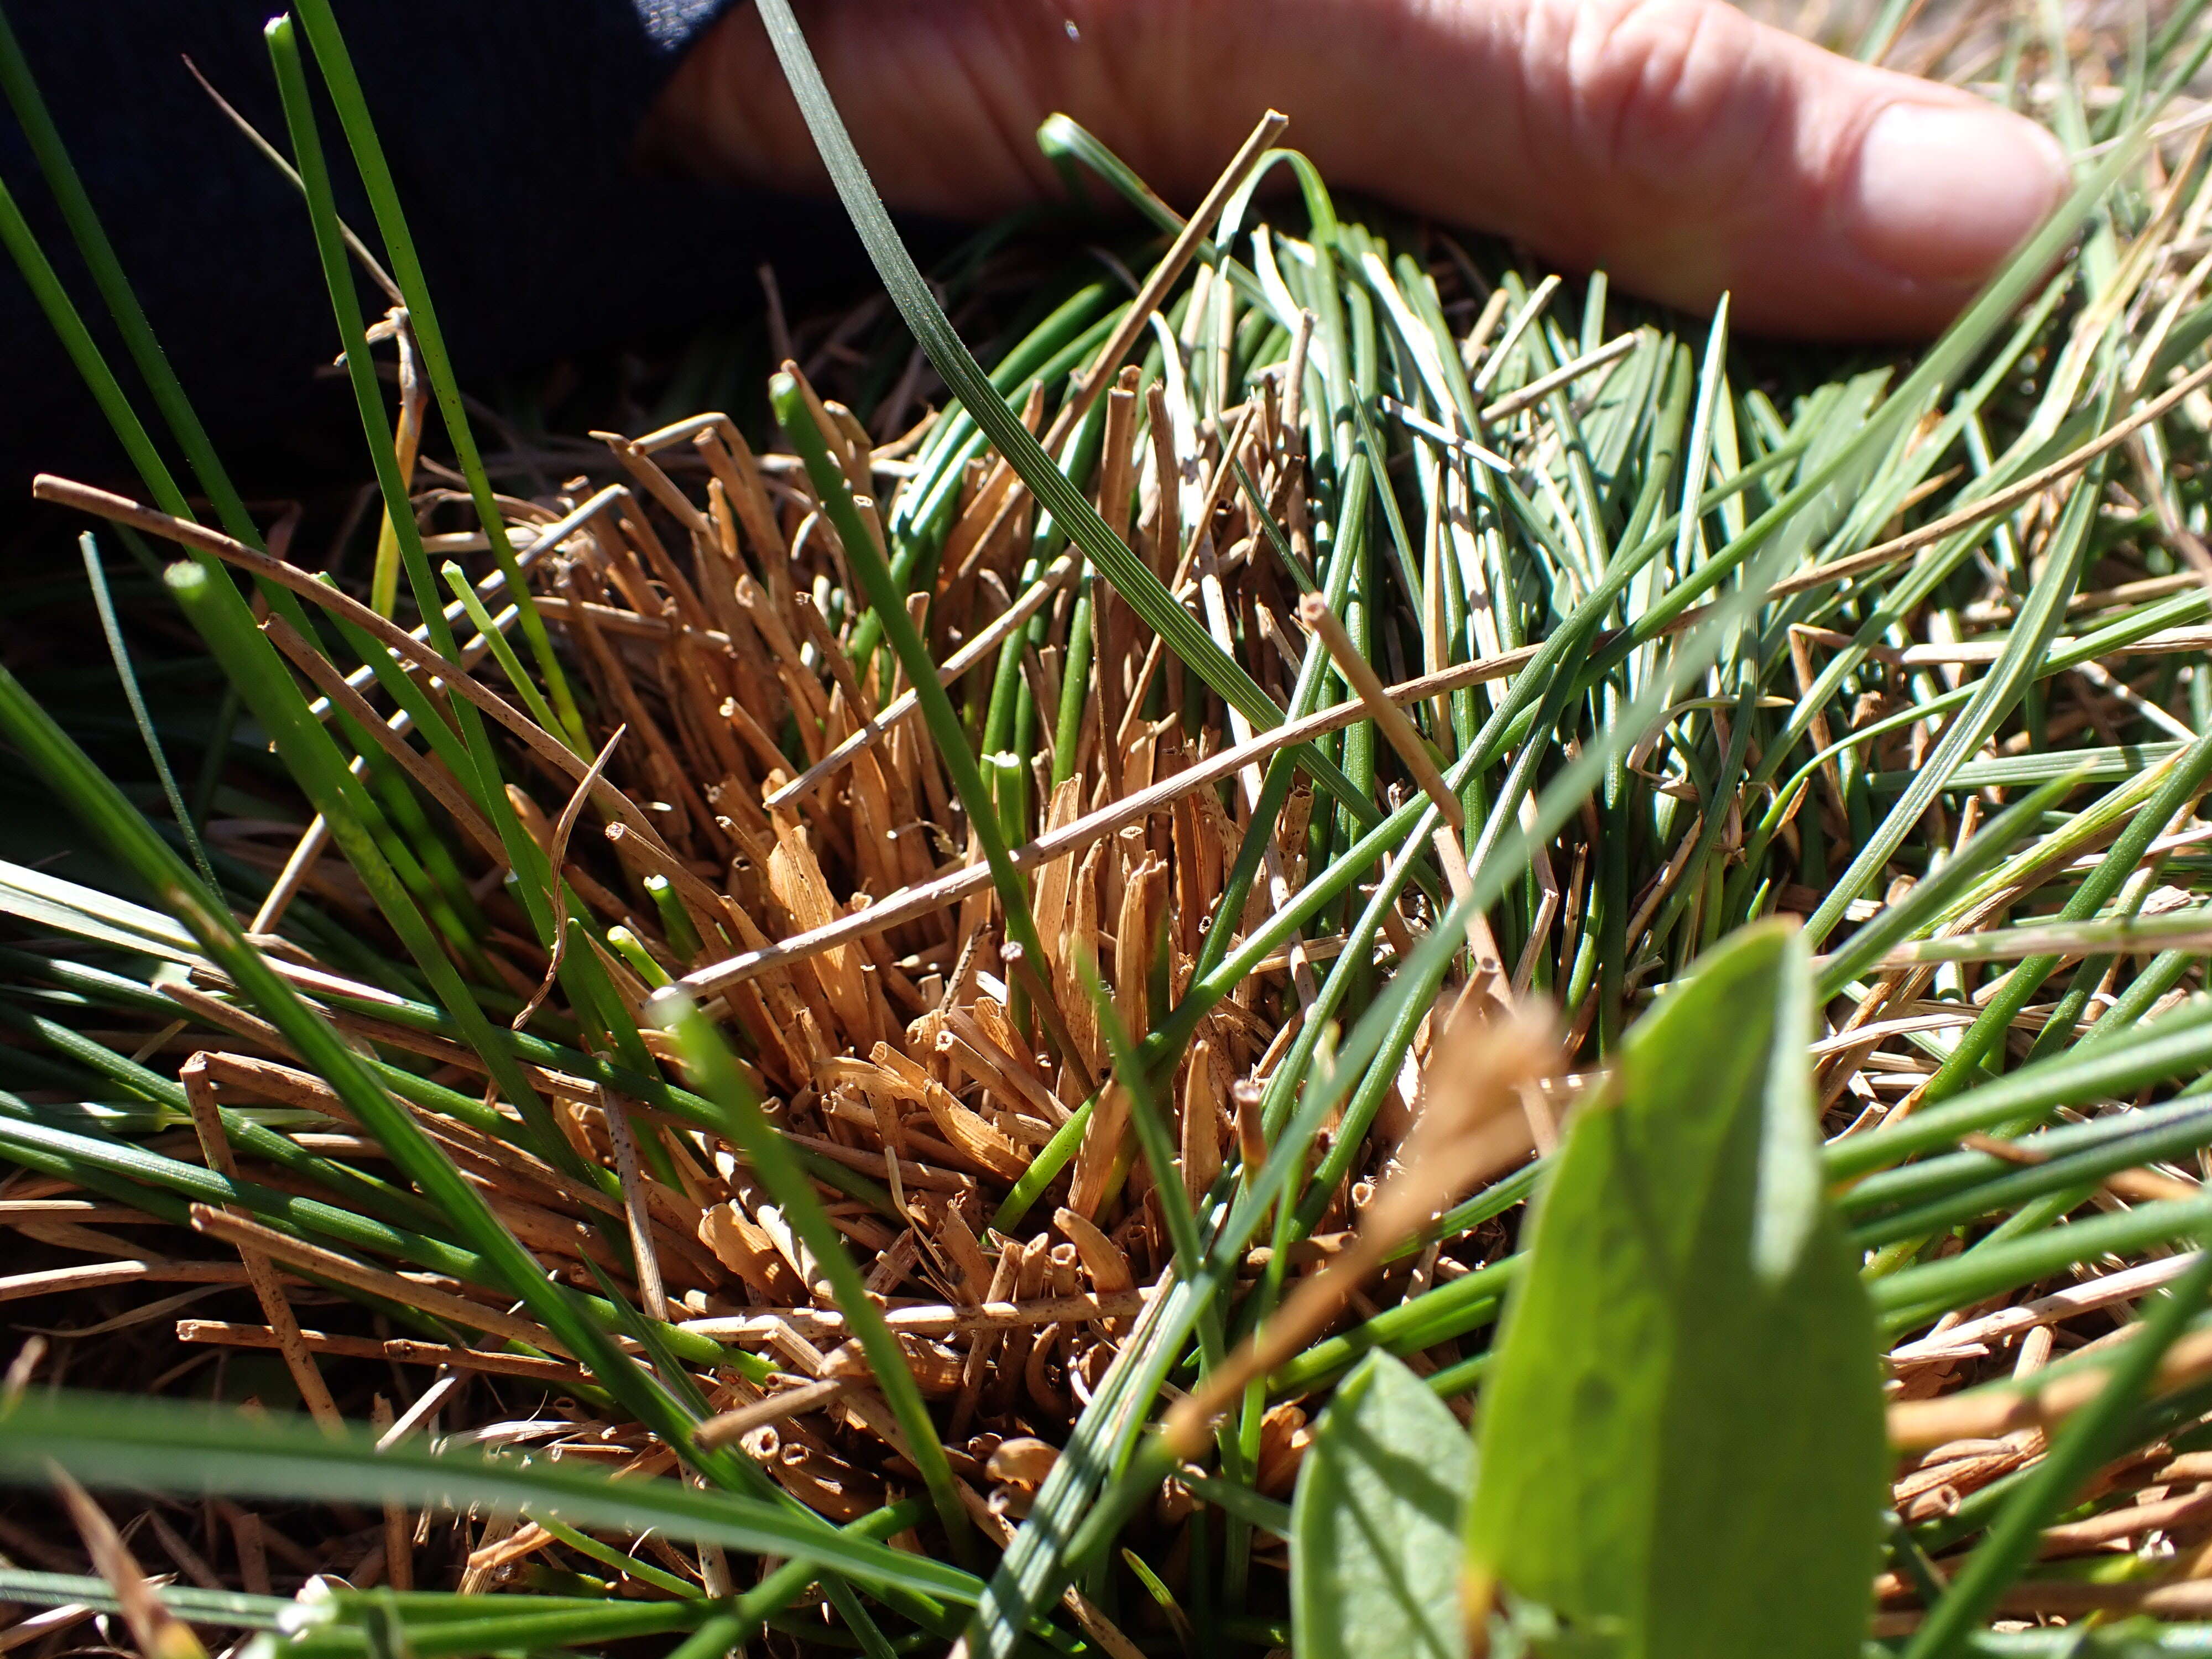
(1662, 92)
(1133, 70)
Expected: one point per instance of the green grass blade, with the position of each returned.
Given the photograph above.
(98, 253)
(96, 574)
(352, 108)
(708, 1061)
(2085, 1440)
(1131, 578)
(154, 1444)
(866, 560)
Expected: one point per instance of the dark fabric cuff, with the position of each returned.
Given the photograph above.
(510, 127)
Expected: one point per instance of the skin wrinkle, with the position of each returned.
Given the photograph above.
(1675, 141)
(1689, 104)
(1623, 95)
(1671, 94)
(991, 60)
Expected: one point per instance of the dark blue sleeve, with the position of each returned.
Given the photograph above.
(510, 125)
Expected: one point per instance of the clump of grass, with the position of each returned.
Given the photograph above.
(974, 962)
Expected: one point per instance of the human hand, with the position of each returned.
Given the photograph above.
(1678, 144)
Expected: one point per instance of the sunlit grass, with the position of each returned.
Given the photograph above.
(905, 1151)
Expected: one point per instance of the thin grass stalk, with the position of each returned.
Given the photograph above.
(85, 229)
(96, 575)
(2181, 785)
(708, 1060)
(1131, 578)
(131, 840)
(2085, 1440)
(352, 109)
(155, 1444)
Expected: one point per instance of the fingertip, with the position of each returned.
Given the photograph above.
(1941, 193)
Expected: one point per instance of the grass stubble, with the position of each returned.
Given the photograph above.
(920, 971)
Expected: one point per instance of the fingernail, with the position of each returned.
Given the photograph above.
(1943, 193)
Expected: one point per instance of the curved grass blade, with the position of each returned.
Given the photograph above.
(352, 108)
(708, 1061)
(902, 280)
(235, 1608)
(141, 1443)
(96, 574)
(98, 253)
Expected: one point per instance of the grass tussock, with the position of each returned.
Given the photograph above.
(833, 1027)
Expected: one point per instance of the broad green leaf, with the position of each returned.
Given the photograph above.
(1682, 1438)
(1375, 1524)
